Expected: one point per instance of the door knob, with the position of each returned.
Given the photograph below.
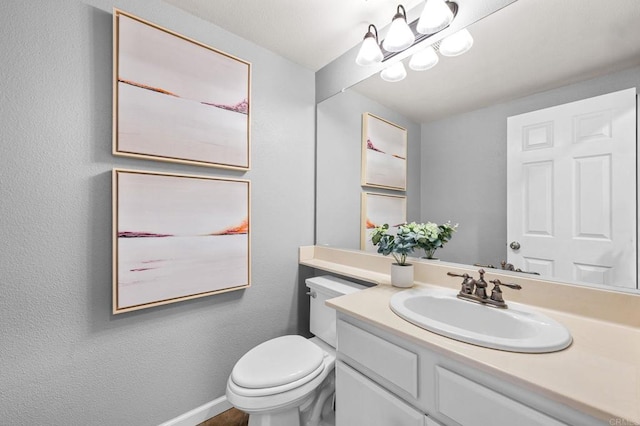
(515, 245)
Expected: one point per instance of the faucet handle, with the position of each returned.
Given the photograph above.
(496, 293)
(497, 283)
(468, 283)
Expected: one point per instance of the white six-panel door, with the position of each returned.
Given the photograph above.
(571, 190)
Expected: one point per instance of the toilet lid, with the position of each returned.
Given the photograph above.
(277, 362)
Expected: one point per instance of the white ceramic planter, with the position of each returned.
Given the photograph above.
(401, 275)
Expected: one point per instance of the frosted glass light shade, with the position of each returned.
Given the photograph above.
(456, 44)
(435, 16)
(424, 59)
(369, 53)
(393, 73)
(399, 36)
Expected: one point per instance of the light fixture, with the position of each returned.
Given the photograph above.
(424, 59)
(400, 35)
(456, 44)
(369, 53)
(393, 73)
(435, 16)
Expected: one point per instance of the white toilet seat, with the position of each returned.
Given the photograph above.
(276, 363)
(276, 389)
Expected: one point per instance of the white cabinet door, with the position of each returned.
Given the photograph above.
(571, 190)
(359, 401)
(468, 403)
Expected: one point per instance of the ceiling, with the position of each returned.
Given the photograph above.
(527, 47)
(311, 33)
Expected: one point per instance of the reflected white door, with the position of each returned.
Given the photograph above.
(571, 190)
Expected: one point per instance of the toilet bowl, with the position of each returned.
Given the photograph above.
(293, 370)
(290, 380)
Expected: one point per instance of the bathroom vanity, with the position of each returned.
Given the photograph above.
(391, 372)
(383, 379)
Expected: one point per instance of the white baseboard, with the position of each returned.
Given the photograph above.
(200, 414)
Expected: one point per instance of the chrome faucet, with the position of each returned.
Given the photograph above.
(476, 290)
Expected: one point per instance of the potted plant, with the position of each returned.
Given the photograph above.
(399, 246)
(432, 236)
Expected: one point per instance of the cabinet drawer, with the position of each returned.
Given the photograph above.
(391, 362)
(359, 401)
(469, 403)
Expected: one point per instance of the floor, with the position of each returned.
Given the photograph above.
(232, 417)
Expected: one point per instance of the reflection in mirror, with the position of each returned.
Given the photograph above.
(456, 118)
(338, 165)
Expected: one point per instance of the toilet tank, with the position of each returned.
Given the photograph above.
(322, 319)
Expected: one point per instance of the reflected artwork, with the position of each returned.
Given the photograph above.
(378, 209)
(384, 154)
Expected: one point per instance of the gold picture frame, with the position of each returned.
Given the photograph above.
(178, 237)
(178, 100)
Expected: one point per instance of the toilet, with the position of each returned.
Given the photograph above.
(290, 380)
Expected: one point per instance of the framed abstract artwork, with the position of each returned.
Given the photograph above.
(378, 209)
(176, 99)
(384, 153)
(177, 237)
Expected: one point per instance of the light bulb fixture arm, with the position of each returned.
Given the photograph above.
(373, 33)
(400, 13)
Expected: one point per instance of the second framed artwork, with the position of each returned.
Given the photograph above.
(378, 209)
(384, 153)
(176, 99)
(177, 237)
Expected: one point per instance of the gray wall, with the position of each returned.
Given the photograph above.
(464, 168)
(64, 359)
(338, 158)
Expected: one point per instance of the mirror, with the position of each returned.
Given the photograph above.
(455, 116)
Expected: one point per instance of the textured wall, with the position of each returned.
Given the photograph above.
(339, 153)
(64, 359)
(464, 162)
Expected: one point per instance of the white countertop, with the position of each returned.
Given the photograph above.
(599, 374)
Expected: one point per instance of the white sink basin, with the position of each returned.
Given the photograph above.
(516, 329)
